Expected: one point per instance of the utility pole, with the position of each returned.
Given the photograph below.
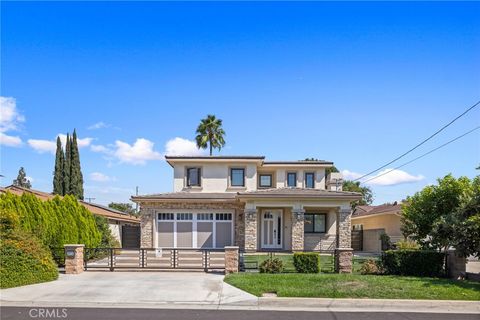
(136, 204)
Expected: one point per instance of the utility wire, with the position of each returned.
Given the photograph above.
(418, 145)
(423, 155)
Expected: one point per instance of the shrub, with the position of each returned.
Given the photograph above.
(274, 265)
(386, 242)
(413, 263)
(370, 266)
(407, 244)
(24, 260)
(306, 262)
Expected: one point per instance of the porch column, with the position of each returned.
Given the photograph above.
(250, 229)
(344, 251)
(146, 228)
(298, 225)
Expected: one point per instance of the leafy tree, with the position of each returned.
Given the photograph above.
(76, 177)
(445, 215)
(123, 207)
(354, 186)
(22, 180)
(59, 167)
(210, 133)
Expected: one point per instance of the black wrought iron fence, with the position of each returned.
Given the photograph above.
(58, 255)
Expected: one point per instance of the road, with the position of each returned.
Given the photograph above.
(8, 313)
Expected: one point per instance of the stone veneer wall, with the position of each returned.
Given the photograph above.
(148, 214)
(250, 227)
(298, 219)
(344, 227)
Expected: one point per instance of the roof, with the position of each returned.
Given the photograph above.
(299, 193)
(216, 157)
(250, 158)
(362, 211)
(299, 162)
(183, 195)
(94, 208)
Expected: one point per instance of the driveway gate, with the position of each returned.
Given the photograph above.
(164, 258)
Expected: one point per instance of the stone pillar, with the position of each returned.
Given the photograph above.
(298, 226)
(146, 227)
(231, 259)
(251, 230)
(74, 258)
(456, 265)
(344, 251)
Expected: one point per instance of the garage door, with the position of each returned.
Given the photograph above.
(194, 230)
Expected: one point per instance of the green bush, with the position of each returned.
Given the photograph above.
(273, 265)
(23, 258)
(306, 262)
(407, 244)
(413, 263)
(370, 266)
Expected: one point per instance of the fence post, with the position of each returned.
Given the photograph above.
(111, 259)
(231, 259)
(74, 258)
(205, 253)
(143, 257)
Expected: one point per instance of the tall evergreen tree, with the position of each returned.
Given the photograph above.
(22, 180)
(58, 173)
(76, 177)
(67, 166)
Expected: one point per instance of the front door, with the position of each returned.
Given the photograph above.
(272, 229)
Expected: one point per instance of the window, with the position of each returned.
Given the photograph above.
(309, 180)
(315, 223)
(265, 180)
(193, 177)
(205, 216)
(184, 216)
(165, 216)
(223, 217)
(237, 177)
(291, 179)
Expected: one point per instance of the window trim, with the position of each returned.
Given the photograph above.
(199, 177)
(296, 183)
(316, 214)
(260, 180)
(231, 177)
(305, 180)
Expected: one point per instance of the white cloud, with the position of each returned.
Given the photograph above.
(100, 177)
(395, 177)
(42, 146)
(138, 153)
(98, 125)
(182, 147)
(101, 149)
(11, 141)
(10, 119)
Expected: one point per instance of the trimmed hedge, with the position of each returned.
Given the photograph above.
(23, 258)
(306, 262)
(420, 263)
(273, 265)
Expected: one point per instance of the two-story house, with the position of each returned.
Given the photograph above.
(258, 205)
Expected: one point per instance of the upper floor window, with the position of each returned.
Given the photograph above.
(315, 223)
(237, 177)
(193, 177)
(309, 180)
(291, 179)
(265, 180)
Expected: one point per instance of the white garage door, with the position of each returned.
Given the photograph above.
(194, 230)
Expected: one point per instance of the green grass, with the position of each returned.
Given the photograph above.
(355, 286)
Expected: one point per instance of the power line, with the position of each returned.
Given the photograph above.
(423, 155)
(421, 143)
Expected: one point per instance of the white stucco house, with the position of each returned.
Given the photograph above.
(251, 203)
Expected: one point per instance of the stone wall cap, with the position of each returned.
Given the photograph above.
(231, 247)
(73, 245)
(343, 249)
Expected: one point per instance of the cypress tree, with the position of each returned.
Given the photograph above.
(22, 180)
(67, 166)
(76, 177)
(58, 176)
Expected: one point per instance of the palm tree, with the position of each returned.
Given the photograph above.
(210, 132)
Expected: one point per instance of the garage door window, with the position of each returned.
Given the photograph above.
(165, 216)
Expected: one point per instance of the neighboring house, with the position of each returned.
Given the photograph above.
(372, 221)
(258, 205)
(124, 227)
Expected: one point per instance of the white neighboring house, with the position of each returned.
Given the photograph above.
(258, 205)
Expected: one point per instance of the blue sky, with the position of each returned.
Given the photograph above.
(354, 83)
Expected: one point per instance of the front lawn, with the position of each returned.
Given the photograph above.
(355, 286)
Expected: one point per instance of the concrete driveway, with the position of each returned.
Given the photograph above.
(129, 288)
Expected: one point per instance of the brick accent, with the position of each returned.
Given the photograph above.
(250, 230)
(74, 264)
(231, 259)
(343, 260)
(344, 228)
(298, 235)
(146, 227)
(456, 265)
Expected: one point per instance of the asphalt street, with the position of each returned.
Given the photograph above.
(8, 313)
